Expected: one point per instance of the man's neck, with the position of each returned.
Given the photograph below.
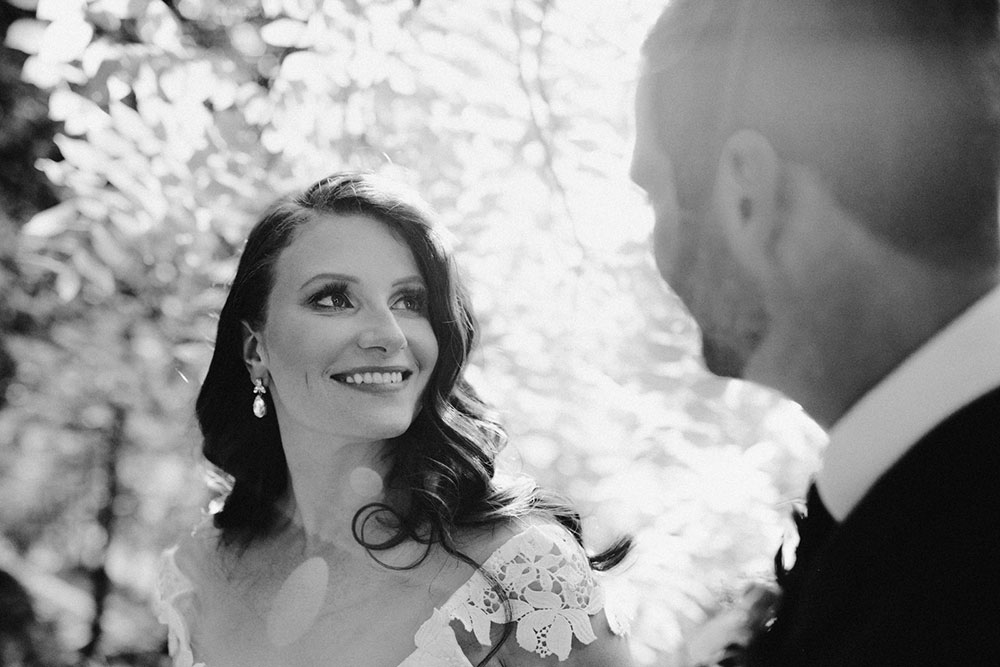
(829, 357)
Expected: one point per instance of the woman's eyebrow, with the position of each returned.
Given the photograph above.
(340, 277)
(347, 278)
(408, 280)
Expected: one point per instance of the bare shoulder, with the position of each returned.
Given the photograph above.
(198, 555)
(482, 543)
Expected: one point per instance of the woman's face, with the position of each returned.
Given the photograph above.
(347, 343)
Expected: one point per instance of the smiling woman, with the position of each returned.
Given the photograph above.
(364, 525)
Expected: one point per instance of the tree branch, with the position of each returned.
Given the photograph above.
(541, 132)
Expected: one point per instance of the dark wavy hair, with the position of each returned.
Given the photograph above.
(442, 466)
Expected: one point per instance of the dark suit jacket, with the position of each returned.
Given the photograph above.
(912, 575)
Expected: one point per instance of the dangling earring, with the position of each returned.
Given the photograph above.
(259, 406)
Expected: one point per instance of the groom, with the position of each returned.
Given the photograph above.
(824, 179)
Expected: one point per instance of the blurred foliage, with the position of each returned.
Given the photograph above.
(178, 120)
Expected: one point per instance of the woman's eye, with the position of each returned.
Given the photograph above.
(336, 300)
(415, 302)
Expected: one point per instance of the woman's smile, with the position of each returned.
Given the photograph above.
(374, 380)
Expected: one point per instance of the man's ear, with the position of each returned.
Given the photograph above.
(254, 353)
(748, 196)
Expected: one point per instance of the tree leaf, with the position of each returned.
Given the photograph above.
(52, 221)
(25, 35)
(56, 10)
(65, 40)
(283, 32)
(122, 9)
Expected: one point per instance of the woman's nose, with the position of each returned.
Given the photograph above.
(382, 332)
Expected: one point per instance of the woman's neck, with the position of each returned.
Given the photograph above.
(329, 482)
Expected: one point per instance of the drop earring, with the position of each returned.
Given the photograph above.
(259, 406)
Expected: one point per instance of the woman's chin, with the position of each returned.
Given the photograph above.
(388, 429)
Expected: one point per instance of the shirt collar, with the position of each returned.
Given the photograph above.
(959, 364)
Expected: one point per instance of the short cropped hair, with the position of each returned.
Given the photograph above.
(894, 104)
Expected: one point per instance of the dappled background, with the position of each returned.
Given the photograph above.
(139, 139)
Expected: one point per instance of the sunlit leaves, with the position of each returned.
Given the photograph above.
(513, 119)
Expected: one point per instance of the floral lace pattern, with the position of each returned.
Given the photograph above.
(547, 588)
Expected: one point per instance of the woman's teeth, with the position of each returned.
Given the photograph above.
(374, 378)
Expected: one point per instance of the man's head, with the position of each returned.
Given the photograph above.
(775, 138)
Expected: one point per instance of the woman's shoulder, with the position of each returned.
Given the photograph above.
(182, 572)
(536, 554)
(504, 538)
(533, 573)
(195, 563)
(197, 551)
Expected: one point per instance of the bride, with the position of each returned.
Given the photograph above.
(363, 526)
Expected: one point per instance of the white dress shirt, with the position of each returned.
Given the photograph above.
(958, 365)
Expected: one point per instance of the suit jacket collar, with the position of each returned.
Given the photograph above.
(959, 364)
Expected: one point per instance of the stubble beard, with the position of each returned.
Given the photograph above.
(724, 300)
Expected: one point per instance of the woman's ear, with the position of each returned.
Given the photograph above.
(748, 197)
(254, 353)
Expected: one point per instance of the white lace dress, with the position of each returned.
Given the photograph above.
(544, 575)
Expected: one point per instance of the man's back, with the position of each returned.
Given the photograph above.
(912, 575)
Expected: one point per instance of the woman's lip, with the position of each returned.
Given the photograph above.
(374, 369)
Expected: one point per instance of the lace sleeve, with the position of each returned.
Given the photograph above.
(549, 591)
(173, 594)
